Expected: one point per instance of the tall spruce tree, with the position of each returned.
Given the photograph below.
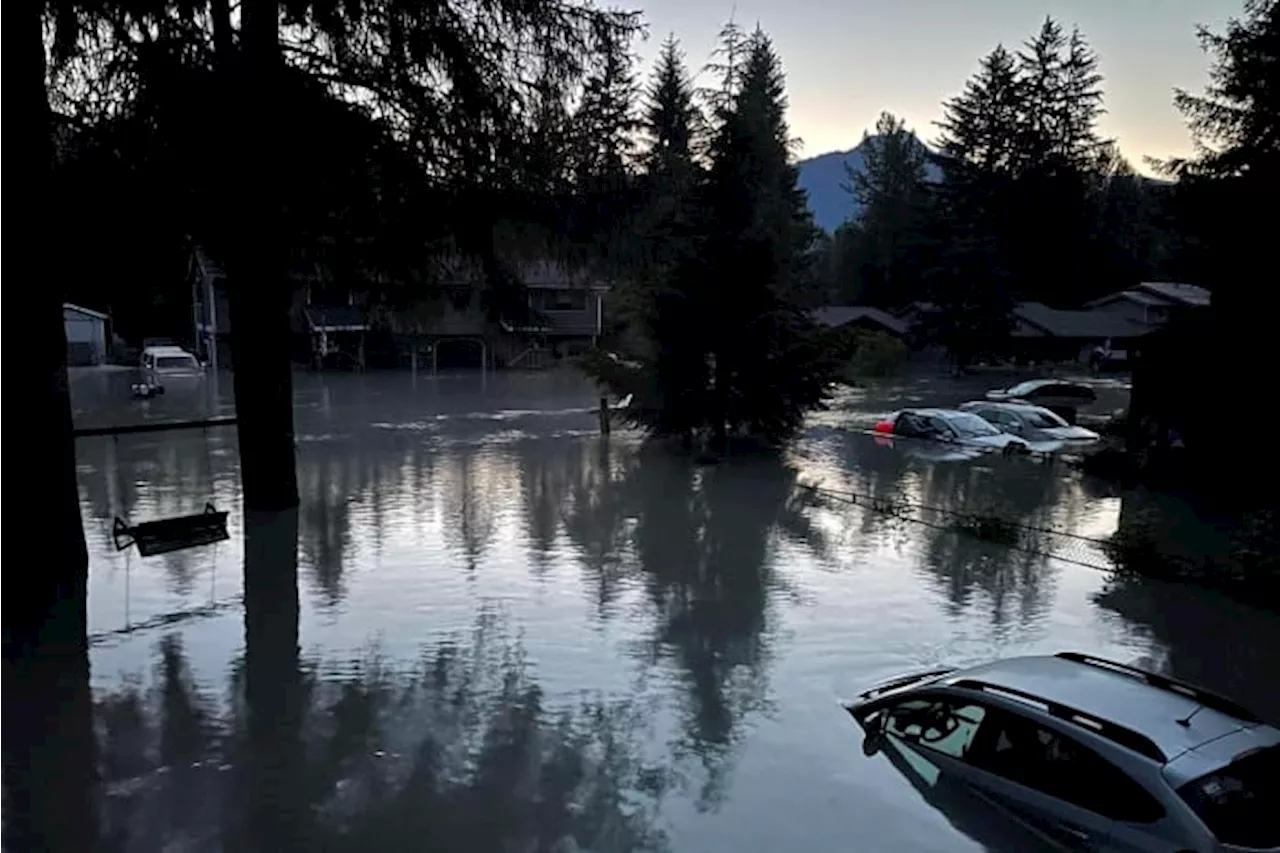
(668, 295)
(673, 128)
(893, 196)
(602, 158)
(1058, 145)
(1235, 123)
(1221, 201)
(769, 366)
(730, 350)
(978, 152)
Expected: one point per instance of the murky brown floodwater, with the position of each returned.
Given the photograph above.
(515, 635)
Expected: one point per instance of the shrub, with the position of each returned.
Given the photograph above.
(875, 354)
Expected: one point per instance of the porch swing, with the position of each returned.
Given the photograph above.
(163, 535)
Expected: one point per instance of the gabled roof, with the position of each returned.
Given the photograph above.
(1135, 296)
(835, 316)
(1175, 292)
(1149, 293)
(1039, 319)
(97, 315)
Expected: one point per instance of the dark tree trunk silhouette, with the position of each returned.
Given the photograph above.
(51, 501)
(45, 719)
(257, 267)
(48, 730)
(275, 802)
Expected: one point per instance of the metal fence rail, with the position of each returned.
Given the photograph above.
(1028, 538)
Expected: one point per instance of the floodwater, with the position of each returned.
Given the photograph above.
(513, 634)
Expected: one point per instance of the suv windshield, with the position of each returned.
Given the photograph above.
(971, 426)
(175, 362)
(1238, 802)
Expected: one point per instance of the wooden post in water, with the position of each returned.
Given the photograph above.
(604, 416)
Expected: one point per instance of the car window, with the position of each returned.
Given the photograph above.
(1238, 803)
(999, 417)
(1024, 388)
(944, 725)
(1029, 754)
(909, 425)
(971, 426)
(938, 427)
(1042, 419)
(170, 362)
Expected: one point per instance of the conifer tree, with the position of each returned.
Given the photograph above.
(979, 156)
(769, 366)
(730, 351)
(892, 194)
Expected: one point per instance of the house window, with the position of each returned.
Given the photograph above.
(563, 300)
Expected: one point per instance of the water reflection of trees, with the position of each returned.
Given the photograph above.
(148, 476)
(1015, 582)
(708, 575)
(470, 478)
(1207, 637)
(595, 513)
(459, 752)
(331, 474)
(352, 487)
(697, 541)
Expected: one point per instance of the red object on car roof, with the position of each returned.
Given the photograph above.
(885, 426)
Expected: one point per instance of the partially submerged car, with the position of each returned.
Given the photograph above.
(1086, 753)
(162, 364)
(172, 360)
(1034, 423)
(1060, 396)
(950, 426)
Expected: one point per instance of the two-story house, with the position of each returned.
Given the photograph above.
(561, 309)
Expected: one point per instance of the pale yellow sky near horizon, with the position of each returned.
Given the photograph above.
(847, 62)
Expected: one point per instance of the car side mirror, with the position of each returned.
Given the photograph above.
(873, 739)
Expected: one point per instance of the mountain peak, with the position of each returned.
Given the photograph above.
(823, 179)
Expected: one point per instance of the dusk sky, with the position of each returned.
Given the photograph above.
(847, 60)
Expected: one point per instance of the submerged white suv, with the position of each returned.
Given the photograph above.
(1086, 753)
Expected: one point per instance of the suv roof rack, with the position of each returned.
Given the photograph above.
(1207, 698)
(1113, 732)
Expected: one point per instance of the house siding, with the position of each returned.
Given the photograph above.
(86, 337)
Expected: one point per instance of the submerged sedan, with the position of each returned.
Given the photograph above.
(1034, 423)
(951, 426)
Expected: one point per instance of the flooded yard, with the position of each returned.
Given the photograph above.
(516, 634)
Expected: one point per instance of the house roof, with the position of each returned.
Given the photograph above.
(97, 315)
(1172, 291)
(1039, 320)
(835, 316)
(916, 308)
(1135, 296)
(337, 318)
